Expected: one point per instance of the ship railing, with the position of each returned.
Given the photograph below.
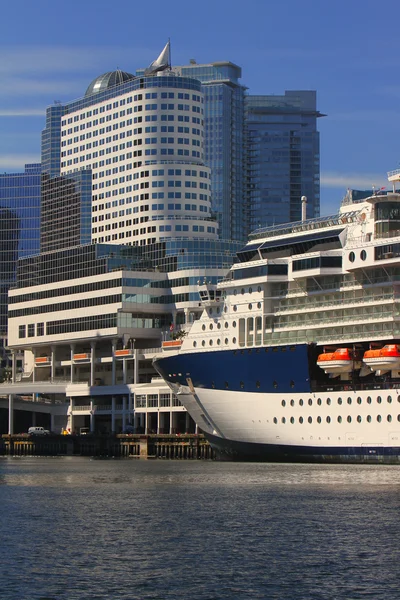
(342, 302)
(343, 319)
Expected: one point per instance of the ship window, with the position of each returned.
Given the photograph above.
(349, 419)
(328, 419)
(242, 385)
(291, 383)
(211, 342)
(398, 398)
(250, 306)
(352, 257)
(363, 255)
(348, 400)
(389, 399)
(292, 420)
(310, 402)
(259, 289)
(226, 385)
(292, 348)
(283, 419)
(398, 417)
(369, 399)
(258, 304)
(266, 350)
(226, 341)
(359, 400)
(258, 385)
(226, 324)
(339, 419)
(250, 290)
(389, 418)
(292, 402)
(301, 402)
(234, 324)
(218, 342)
(203, 327)
(301, 419)
(283, 402)
(211, 326)
(283, 349)
(235, 308)
(369, 418)
(213, 385)
(275, 420)
(234, 340)
(378, 399)
(194, 344)
(225, 309)
(218, 325)
(310, 419)
(328, 400)
(379, 418)
(359, 419)
(275, 384)
(339, 401)
(319, 419)
(203, 343)
(319, 401)
(275, 349)
(242, 291)
(234, 292)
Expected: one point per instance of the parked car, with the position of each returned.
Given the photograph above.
(38, 431)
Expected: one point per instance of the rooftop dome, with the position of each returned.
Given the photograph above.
(108, 80)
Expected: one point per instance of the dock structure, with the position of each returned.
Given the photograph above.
(181, 447)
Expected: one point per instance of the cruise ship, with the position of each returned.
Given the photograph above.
(296, 356)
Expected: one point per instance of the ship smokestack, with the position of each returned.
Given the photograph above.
(303, 208)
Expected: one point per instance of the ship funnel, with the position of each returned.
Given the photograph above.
(303, 208)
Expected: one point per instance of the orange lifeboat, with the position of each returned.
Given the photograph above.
(341, 360)
(383, 359)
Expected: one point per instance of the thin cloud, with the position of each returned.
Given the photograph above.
(17, 162)
(377, 116)
(22, 112)
(353, 180)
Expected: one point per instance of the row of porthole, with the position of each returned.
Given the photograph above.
(258, 384)
(243, 291)
(328, 419)
(211, 342)
(352, 256)
(340, 401)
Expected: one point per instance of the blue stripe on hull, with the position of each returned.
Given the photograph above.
(247, 451)
(265, 370)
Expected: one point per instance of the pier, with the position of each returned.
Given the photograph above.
(154, 446)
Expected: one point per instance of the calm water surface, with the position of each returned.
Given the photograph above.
(75, 528)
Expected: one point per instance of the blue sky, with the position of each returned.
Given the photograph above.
(348, 51)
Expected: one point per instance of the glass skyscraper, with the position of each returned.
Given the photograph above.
(19, 230)
(282, 144)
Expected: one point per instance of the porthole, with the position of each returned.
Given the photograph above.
(339, 419)
(194, 344)
(258, 385)
(203, 327)
(235, 308)
(226, 324)
(283, 402)
(211, 326)
(369, 400)
(242, 385)
(359, 419)
(226, 341)
(250, 306)
(328, 419)
(369, 418)
(234, 340)
(218, 325)
(328, 401)
(319, 401)
(310, 402)
(275, 384)
(352, 257)
(292, 403)
(226, 385)
(275, 420)
(259, 288)
(301, 402)
(389, 399)
(250, 290)
(203, 343)
(379, 399)
(211, 342)
(363, 255)
(319, 419)
(283, 419)
(389, 418)
(292, 383)
(398, 417)
(339, 401)
(359, 400)
(234, 292)
(292, 420)
(258, 304)
(349, 419)
(398, 398)
(348, 400)
(301, 419)
(218, 342)
(379, 418)
(234, 324)
(310, 419)
(242, 291)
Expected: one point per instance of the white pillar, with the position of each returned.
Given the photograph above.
(113, 348)
(146, 423)
(92, 362)
(72, 347)
(71, 415)
(113, 414)
(136, 367)
(170, 421)
(123, 413)
(158, 421)
(13, 366)
(91, 415)
(11, 413)
(34, 365)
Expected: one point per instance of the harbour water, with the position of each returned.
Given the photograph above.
(76, 528)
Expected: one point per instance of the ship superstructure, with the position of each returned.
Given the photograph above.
(297, 353)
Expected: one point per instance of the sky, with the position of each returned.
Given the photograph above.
(346, 50)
